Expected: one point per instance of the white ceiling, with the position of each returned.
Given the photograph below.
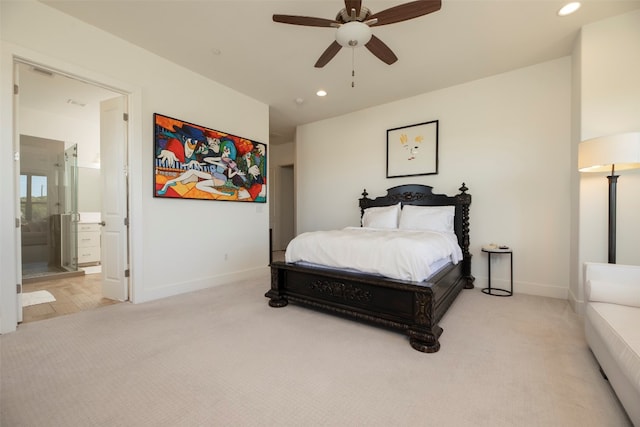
(236, 43)
(54, 93)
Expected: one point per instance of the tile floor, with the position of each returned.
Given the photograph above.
(73, 294)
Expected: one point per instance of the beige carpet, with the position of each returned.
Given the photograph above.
(224, 357)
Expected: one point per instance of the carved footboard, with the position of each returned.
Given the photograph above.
(413, 308)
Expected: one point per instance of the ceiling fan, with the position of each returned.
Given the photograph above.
(354, 24)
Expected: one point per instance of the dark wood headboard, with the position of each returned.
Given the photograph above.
(422, 195)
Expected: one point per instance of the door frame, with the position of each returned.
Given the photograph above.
(285, 186)
(122, 166)
(276, 217)
(11, 278)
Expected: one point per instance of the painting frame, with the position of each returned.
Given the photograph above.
(195, 162)
(412, 150)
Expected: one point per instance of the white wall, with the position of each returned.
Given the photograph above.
(576, 100)
(84, 133)
(610, 103)
(177, 245)
(508, 137)
(89, 194)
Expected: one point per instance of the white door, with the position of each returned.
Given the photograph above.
(113, 165)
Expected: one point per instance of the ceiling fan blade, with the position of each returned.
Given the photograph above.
(405, 12)
(328, 54)
(307, 21)
(381, 50)
(353, 4)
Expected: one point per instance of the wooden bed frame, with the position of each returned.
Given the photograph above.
(412, 307)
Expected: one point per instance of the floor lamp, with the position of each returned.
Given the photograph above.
(610, 153)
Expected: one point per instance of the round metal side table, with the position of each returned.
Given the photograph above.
(497, 291)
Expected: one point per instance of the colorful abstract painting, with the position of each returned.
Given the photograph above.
(195, 162)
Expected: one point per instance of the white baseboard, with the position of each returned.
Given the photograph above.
(528, 288)
(145, 295)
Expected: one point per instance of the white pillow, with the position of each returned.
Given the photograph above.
(432, 218)
(381, 217)
(614, 293)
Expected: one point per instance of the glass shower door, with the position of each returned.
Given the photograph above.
(69, 218)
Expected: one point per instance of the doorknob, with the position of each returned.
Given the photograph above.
(102, 223)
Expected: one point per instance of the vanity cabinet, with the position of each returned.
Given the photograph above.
(88, 243)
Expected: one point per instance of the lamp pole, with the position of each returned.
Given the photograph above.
(613, 183)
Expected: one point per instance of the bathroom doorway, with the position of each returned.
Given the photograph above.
(61, 190)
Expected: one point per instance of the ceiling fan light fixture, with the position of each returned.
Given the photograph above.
(353, 34)
(353, 27)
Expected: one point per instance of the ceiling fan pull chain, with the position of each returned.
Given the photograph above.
(353, 67)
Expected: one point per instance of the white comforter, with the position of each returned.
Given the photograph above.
(399, 254)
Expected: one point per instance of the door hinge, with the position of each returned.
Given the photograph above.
(18, 288)
(17, 222)
(125, 117)
(126, 273)
(16, 89)
(126, 222)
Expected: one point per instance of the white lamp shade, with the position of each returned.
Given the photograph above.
(353, 34)
(599, 154)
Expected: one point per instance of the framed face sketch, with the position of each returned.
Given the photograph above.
(195, 162)
(412, 150)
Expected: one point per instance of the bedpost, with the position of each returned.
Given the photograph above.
(464, 200)
(277, 282)
(363, 203)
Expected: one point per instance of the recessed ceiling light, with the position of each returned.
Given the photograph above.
(569, 8)
(321, 92)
